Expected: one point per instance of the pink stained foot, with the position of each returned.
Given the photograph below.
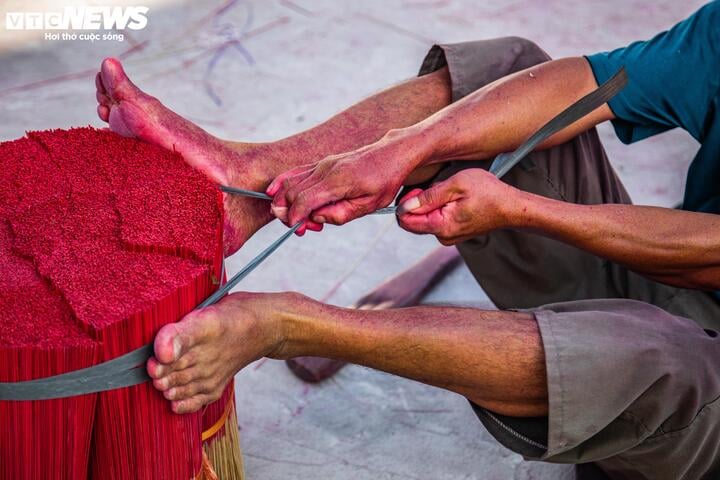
(132, 113)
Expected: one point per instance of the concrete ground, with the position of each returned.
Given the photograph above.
(260, 70)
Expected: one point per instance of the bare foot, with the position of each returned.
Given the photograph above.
(195, 358)
(132, 113)
(405, 289)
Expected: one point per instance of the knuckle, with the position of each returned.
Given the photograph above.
(445, 231)
(301, 199)
(341, 217)
(429, 196)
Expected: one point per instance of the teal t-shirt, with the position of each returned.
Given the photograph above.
(674, 81)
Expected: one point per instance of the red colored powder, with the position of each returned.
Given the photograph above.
(103, 240)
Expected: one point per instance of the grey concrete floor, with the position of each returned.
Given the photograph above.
(261, 70)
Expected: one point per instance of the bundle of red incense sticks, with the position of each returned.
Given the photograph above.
(103, 240)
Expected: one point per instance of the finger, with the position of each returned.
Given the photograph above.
(341, 212)
(294, 186)
(431, 222)
(279, 208)
(412, 193)
(314, 226)
(275, 185)
(279, 205)
(290, 193)
(428, 200)
(309, 200)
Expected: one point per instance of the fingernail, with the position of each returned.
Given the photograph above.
(170, 394)
(408, 206)
(161, 384)
(279, 212)
(320, 219)
(176, 348)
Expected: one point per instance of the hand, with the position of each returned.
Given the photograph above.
(196, 357)
(470, 203)
(343, 187)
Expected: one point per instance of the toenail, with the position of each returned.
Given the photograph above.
(176, 348)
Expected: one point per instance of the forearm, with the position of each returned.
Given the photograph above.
(493, 358)
(671, 246)
(500, 116)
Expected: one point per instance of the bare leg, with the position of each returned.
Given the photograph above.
(494, 358)
(405, 289)
(131, 112)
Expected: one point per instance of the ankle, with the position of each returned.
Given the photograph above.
(252, 165)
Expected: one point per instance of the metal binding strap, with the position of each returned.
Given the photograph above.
(129, 369)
